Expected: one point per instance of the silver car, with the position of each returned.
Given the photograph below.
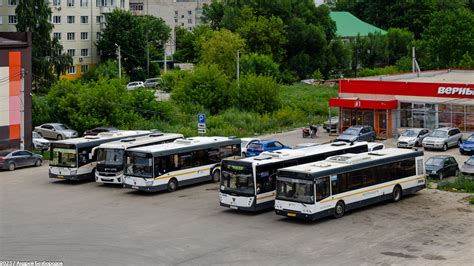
(443, 138)
(39, 142)
(412, 137)
(468, 167)
(56, 131)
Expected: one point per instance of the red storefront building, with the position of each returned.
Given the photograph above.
(429, 99)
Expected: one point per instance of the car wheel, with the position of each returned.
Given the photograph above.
(59, 137)
(11, 166)
(38, 163)
(417, 144)
(172, 185)
(339, 210)
(244, 154)
(456, 173)
(459, 142)
(216, 176)
(445, 147)
(397, 193)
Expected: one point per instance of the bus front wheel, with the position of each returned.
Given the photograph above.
(397, 193)
(216, 176)
(172, 185)
(339, 210)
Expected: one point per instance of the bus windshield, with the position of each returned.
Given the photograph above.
(110, 156)
(64, 157)
(295, 190)
(138, 164)
(237, 178)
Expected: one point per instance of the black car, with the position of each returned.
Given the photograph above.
(97, 130)
(441, 166)
(12, 159)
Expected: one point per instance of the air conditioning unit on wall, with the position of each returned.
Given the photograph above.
(81, 59)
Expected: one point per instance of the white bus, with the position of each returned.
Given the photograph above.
(182, 162)
(111, 155)
(249, 184)
(345, 182)
(73, 159)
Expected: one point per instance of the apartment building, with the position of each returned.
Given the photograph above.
(176, 13)
(77, 24)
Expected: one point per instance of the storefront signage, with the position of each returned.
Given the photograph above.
(455, 91)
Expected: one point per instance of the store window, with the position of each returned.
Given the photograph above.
(405, 115)
(470, 118)
(444, 115)
(458, 116)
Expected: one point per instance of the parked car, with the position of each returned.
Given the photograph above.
(135, 85)
(441, 166)
(332, 124)
(39, 142)
(56, 131)
(412, 137)
(12, 159)
(443, 138)
(375, 146)
(97, 130)
(152, 83)
(257, 147)
(245, 142)
(357, 133)
(467, 167)
(467, 146)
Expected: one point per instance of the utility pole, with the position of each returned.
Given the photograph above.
(148, 59)
(164, 66)
(22, 109)
(238, 68)
(119, 61)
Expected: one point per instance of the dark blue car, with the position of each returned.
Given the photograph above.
(467, 146)
(257, 147)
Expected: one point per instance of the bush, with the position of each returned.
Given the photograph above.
(462, 184)
(366, 72)
(172, 78)
(257, 93)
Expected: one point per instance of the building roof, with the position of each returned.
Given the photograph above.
(349, 25)
(438, 76)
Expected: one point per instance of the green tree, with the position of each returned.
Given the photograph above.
(221, 50)
(448, 37)
(207, 86)
(258, 64)
(188, 44)
(134, 34)
(257, 93)
(399, 42)
(467, 62)
(34, 16)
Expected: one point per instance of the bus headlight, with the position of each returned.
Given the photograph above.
(73, 172)
(149, 183)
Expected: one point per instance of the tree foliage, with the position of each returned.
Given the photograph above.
(133, 34)
(188, 43)
(257, 93)
(259, 65)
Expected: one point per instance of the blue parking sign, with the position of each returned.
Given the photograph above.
(201, 118)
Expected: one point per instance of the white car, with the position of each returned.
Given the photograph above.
(39, 142)
(135, 85)
(56, 131)
(412, 137)
(245, 143)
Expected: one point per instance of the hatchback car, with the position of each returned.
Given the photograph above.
(97, 130)
(468, 167)
(443, 138)
(257, 147)
(467, 147)
(56, 131)
(12, 159)
(412, 137)
(39, 142)
(332, 124)
(152, 83)
(357, 133)
(441, 166)
(245, 142)
(135, 85)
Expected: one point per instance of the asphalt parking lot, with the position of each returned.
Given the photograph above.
(91, 224)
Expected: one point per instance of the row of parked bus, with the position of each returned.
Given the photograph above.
(307, 183)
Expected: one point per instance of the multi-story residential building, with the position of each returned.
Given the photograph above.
(77, 24)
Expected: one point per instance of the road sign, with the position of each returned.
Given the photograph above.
(201, 126)
(201, 118)
(201, 130)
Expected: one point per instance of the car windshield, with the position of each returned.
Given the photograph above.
(471, 138)
(470, 161)
(297, 190)
(110, 156)
(410, 133)
(64, 157)
(61, 127)
(255, 145)
(435, 161)
(237, 178)
(439, 134)
(351, 131)
(138, 164)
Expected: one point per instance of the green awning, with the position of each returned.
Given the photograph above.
(349, 25)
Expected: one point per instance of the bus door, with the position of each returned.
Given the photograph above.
(265, 183)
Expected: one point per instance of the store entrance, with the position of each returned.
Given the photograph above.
(378, 119)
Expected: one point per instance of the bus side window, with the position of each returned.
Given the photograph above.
(266, 179)
(200, 158)
(213, 155)
(322, 188)
(185, 160)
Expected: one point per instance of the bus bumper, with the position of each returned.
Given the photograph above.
(117, 179)
(305, 216)
(240, 208)
(71, 177)
(146, 188)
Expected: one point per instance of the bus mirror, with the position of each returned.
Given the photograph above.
(94, 150)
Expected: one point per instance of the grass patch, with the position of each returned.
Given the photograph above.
(471, 200)
(460, 184)
(44, 153)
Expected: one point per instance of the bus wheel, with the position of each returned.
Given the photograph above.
(216, 176)
(397, 193)
(172, 185)
(339, 209)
